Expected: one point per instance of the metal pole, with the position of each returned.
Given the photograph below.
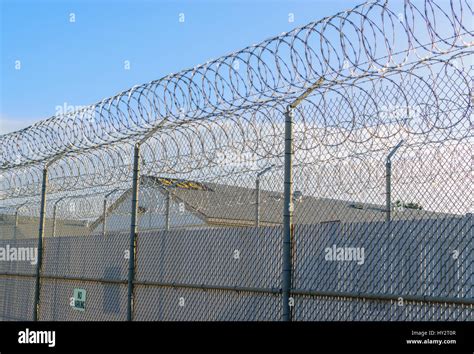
(388, 181)
(16, 224)
(17, 210)
(40, 243)
(104, 212)
(133, 230)
(16, 221)
(287, 215)
(167, 216)
(54, 220)
(388, 187)
(257, 202)
(257, 189)
(288, 203)
(133, 222)
(54, 215)
(104, 217)
(39, 264)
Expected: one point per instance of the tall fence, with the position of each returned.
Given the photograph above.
(324, 174)
(234, 274)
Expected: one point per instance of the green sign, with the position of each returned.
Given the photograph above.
(79, 299)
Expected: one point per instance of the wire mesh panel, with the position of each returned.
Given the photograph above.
(335, 171)
(399, 263)
(80, 259)
(208, 269)
(341, 308)
(16, 298)
(95, 264)
(186, 304)
(18, 261)
(105, 301)
(383, 212)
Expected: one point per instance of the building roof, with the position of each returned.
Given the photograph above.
(28, 227)
(227, 205)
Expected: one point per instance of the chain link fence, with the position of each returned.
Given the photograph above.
(320, 177)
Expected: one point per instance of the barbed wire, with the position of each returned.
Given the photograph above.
(370, 38)
(205, 151)
(225, 123)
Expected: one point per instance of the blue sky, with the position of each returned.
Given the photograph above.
(79, 63)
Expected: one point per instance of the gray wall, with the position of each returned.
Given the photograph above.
(194, 274)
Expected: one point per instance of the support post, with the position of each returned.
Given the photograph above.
(39, 264)
(133, 222)
(44, 187)
(257, 202)
(388, 181)
(388, 187)
(287, 215)
(54, 216)
(15, 229)
(16, 224)
(288, 200)
(257, 191)
(168, 206)
(54, 220)
(104, 212)
(133, 230)
(104, 217)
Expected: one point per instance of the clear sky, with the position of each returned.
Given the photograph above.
(64, 63)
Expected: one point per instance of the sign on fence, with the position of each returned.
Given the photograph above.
(79, 300)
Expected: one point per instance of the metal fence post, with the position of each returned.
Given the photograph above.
(133, 231)
(388, 181)
(257, 191)
(104, 211)
(40, 243)
(39, 264)
(133, 222)
(168, 206)
(15, 229)
(53, 233)
(287, 214)
(104, 217)
(16, 224)
(257, 202)
(288, 200)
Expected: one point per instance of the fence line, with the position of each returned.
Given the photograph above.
(349, 136)
(250, 277)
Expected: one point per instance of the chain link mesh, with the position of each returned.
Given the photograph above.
(381, 203)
